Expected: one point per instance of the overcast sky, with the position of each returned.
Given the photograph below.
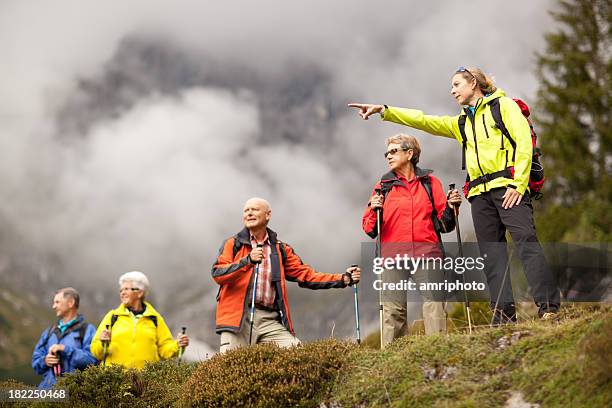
(132, 132)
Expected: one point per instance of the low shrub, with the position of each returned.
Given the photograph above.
(100, 386)
(267, 376)
(595, 347)
(160, 383)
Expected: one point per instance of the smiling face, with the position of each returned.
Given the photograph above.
(397, 158)
(256, 214)
(463, 89)
(131, 296)
(62, 305)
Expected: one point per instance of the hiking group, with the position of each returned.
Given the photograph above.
(407, 212)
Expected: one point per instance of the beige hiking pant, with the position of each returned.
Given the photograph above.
(395, 310)
(267, 328)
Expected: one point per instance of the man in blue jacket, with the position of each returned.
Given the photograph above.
(64, 347)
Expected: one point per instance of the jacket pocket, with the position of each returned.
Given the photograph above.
(219, 293)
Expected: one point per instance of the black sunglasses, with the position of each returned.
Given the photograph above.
(393, 151)
(132, 289)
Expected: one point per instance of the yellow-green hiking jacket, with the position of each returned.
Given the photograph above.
(484, 154)
(135, 341)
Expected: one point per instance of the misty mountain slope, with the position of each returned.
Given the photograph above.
(132, 134)
(22, 320)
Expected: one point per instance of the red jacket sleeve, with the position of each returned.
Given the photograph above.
(368, 221)
(226, 269)
(306, 276)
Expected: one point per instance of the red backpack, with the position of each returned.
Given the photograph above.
(536, 177)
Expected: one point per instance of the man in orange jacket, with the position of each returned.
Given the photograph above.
(234, 271)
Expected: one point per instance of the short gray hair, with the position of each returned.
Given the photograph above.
(70, 293)
(407, 142)
(139, 280)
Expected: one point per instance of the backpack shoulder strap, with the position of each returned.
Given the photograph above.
(82, 331)
(385, 187)
(499, 122)
(49, 331)
(114, 318)
(80, 328)
(461, 123)
(236, 247)
(281, 245)
(426, 182)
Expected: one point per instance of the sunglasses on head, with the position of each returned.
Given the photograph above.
(464, 69)
(393, 151)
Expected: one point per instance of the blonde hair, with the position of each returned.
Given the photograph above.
(407, 142)
(484, 81)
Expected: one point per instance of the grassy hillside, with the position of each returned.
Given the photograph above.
(556, 364)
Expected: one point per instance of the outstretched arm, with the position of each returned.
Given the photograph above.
(306, 276)
(367, 109)
(447, 126)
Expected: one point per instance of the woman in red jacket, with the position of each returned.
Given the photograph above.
(407, 228)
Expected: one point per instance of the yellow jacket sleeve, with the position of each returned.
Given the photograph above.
(97, 349)
(518, 127)
(447, 126)
(167, 347)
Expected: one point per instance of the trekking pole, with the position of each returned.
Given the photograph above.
(105, 348)
(466, 300)
(379, 255)
(181, 349)
(254, 294)
(356, 293)
(57, 368)
(501, 287)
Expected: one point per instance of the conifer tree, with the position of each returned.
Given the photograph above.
(573, 118)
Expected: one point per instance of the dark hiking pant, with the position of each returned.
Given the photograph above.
(491, 221)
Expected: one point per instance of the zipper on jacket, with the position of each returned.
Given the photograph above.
(472, 119)
(484, 125)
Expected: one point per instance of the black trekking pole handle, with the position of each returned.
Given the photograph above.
(258, 246)
(105, 347)
(181, 349)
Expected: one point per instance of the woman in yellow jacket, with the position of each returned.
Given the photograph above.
(498, 171)
(136, 332)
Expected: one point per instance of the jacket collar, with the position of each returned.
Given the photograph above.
(244, 236)
(75, 322)
(484, 100)
(149, 310)
(391, 177)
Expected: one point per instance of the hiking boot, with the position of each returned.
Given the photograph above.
(548, 311)
(506, 315)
